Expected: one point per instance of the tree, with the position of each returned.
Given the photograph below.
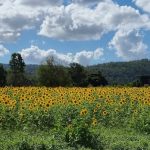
(17, 64)
(78, 75)
(145, 79)
(17, 70)
(2, 76)
(52, 74)
(96, 79)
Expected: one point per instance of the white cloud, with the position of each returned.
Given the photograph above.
(3, 50)
(15, 17)
(39, 3)
(88, 2)
(36, 55)
(78, 22)
(71, 22)
(85, 57)
(129, 44)
(144, 4)
(19, 15)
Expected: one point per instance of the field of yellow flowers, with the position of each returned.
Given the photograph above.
(103, 104)
(75, 109)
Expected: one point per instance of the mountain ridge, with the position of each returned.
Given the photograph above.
(114, 72)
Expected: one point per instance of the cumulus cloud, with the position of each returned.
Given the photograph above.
(85, 57)
(77, 22)
(3, 50)
(19, 15)
(88, 2)
(39, 3)
(129, 45)
(15, 18)
(36, 55)
(71, 22)
(144, 4)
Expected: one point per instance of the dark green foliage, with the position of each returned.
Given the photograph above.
(113, 139)
(16, 74)
(45, 76)
(78, 75)
(9, 120)
(80, 135)
(24, 146)
(17, 79)
(2, 76)
(116, 73)
(144, 80)
(96, 79)
(53, 75)
(41, 120)
(142, 124)
(135, 83)
(16, 63)
(141, 81)
(35, 120)
(120, 73)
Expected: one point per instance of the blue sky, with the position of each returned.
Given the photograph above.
(83, 31)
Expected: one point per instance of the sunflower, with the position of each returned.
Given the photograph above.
(83, 112)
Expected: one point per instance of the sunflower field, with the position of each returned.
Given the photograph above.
(78, 117)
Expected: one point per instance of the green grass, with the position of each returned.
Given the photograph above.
(113, 139)
(124, 139)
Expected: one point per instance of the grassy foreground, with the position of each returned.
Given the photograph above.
(110, 139)
(74, 118)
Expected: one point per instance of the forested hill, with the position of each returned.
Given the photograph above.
(30, 69)
(123, 72)
(114, 72)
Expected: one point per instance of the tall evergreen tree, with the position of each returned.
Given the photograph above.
(17, 64)
(17, 70)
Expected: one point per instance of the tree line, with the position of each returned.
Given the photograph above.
(49, 74)
(124, 73)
